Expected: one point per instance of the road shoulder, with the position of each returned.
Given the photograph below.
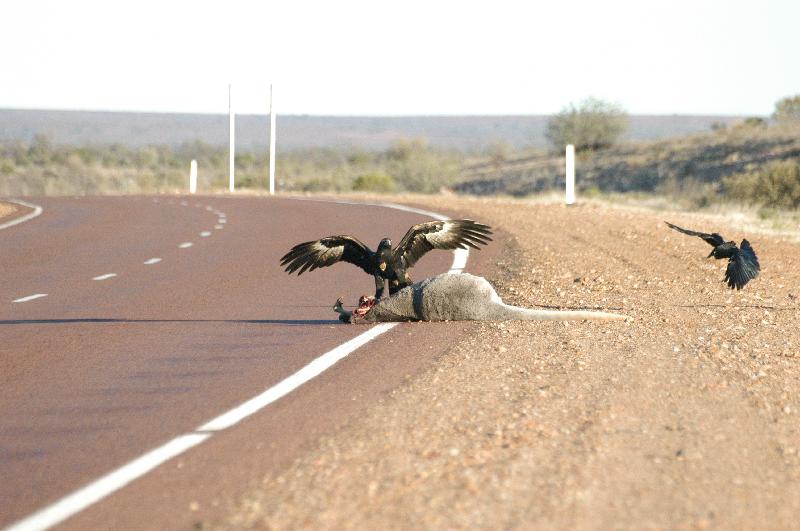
(682, 418)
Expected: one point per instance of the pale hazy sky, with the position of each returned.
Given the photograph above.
(341, 57)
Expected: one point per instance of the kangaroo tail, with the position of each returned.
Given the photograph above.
(527, 314)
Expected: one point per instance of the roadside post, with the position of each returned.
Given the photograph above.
(231, 147)
(570, 171)
(193, 177)
(271, 142)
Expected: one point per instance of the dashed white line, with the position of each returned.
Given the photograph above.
(184, 203)
(152, 261)
(218, 227)
(222, 221)
(30, 297)
(210, 208)
(205, 234)
(105, 277)
(185, 245)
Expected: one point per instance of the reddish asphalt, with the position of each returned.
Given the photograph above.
(101, 371)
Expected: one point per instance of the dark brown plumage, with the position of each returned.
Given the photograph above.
(387, 264)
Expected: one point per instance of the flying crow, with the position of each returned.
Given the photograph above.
(387, 264)
(742, 262)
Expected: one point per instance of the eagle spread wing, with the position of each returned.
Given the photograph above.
(742, 267)
(449, 234)
(712, 239)
(325, 252)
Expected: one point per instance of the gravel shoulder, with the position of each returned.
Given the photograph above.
(684, 417)
(6, 210)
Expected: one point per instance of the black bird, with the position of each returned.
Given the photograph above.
(742, 262)
(387, 264)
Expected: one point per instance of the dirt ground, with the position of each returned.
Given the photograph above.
(6, 209)
(685, 417)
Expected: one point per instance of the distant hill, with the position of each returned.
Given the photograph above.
(300, 132)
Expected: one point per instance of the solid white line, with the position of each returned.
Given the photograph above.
(205, 234)
(37, 210)
(185, 245)
(104, 277)
(152, 261)
(99, 489)
(30, 297)
(315, 368)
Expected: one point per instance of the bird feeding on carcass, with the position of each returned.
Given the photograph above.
(387, 264)
(743, 263)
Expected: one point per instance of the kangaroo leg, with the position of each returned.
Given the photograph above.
(380, 285)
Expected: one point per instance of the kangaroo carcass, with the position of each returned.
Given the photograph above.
(453, 297)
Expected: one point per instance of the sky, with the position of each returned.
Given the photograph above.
(352, 57)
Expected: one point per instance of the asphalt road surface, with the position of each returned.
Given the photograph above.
(125, 322)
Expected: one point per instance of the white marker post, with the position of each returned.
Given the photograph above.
(271, 143)
(570, 174)
(231, 147)
(193, 177)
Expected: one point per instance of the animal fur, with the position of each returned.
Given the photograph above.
(454, 297)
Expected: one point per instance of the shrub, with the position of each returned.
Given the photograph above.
(776, 185)
(374, 182)
(591, 125)
(787, 110)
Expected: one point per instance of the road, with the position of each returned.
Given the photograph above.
(138, 319)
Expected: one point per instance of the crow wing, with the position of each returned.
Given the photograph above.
(742, 267)
(712, 239)
(327, 251)
(448, 234)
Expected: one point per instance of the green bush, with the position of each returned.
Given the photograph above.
(374, 182)
(787, 110)
(591, 125)
(776, 185)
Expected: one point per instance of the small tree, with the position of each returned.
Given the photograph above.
(592, 124)
(787, 110)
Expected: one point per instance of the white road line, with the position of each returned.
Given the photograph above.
(219, 227)
(97, 490)
(205, 234)
(30, 297)
(105, 277)
(315, 368)
(30, 215)
(184, 203)
(222, 221)
(100, 488)
(210, 208)
(185, 245)
(152, 261)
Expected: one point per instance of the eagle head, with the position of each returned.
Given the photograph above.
(386, 243)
